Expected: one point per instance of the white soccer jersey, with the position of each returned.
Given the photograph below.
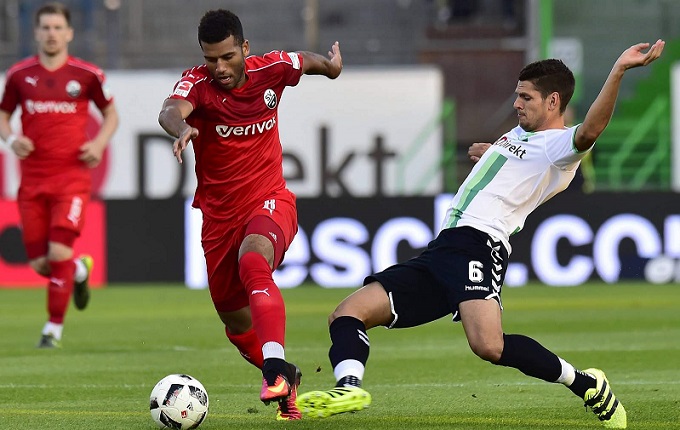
(518, 173)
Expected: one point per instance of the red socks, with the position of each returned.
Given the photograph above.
(59, 289)
(249, 346)
(266, 303)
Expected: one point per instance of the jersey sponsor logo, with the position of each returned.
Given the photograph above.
(295, 60)
(182, 89)
(248, 130)
(270, 98)
(73, 88)
(33, 107)
(516, 150)
(32, 81)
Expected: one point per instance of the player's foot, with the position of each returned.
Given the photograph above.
(322, 404)
(81, 290)
(48, 341)
(278, 379)
(288, 409)
(604, 403)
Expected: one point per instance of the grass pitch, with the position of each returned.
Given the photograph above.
(421, 378)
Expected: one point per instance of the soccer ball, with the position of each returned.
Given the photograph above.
(178, 402)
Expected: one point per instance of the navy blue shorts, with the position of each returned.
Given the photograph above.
(459, 264)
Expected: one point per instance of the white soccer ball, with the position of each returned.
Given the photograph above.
(178, 402)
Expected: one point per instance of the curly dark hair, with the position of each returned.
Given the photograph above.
(217, 25)
(549, 76)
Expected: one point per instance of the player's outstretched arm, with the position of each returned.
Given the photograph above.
(315, 64)
(601, 110)
(171, 118)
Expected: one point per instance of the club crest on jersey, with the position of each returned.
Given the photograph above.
(73, 88)
(270, 98)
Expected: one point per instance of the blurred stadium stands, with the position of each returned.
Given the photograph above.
(480, 45)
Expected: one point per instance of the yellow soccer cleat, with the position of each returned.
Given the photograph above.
(604, 403)
(322, 404)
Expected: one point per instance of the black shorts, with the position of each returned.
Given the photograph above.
(459, 264)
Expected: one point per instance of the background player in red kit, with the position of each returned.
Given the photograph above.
(54, 91)
(249, 216)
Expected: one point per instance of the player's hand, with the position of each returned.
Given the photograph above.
(91, 153)
(634, 57)
(182, 141)
(336, 60)
(22, 147)
(476, 150)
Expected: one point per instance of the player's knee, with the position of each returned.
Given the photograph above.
(236, 322)
(253, 267)
(335, 315)
(371, 305)
(344, 310)
(488, 351)
(58, 251)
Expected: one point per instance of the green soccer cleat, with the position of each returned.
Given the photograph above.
(48, 341)
(81, 290)
(322, 404)
(604, 403)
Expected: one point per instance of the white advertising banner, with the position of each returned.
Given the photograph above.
(351, 136)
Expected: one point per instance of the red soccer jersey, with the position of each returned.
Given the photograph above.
(239, 160)
(54, 112)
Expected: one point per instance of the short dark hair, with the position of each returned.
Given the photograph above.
(217, 25)
(53, 8)
(549, 76)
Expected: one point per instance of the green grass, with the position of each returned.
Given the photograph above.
(421, 378)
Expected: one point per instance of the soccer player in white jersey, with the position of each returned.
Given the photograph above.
(462, 270)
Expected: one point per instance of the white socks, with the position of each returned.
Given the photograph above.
(53, 329)
(273, 350)
(568, 373)
(349, 368)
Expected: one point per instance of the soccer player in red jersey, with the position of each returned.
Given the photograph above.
(228, 109)
(54, 91)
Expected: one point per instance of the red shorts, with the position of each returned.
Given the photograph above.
(222, 240)
(52, 210)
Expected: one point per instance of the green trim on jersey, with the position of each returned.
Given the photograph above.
(476, 183)
(524, 137)
(573, 142)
